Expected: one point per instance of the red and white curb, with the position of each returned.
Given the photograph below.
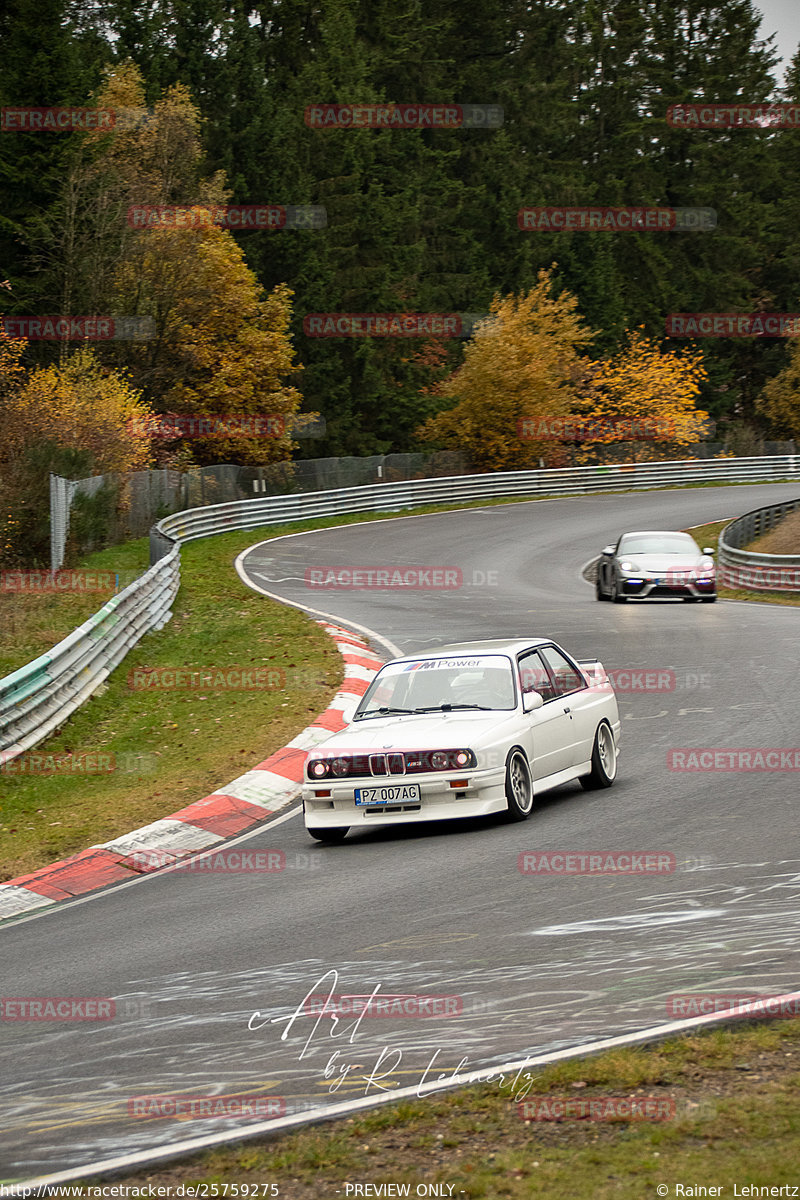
(248, 800)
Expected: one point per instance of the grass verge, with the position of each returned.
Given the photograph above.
(736, 1122)
(171, 747)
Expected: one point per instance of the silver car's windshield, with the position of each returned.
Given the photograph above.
(432, 684)
(665, 543)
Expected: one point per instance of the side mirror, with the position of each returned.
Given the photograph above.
(531, 701)
(608, 550)
(708, 550)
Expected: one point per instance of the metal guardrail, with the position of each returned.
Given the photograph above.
(745, 569)
(393, 497)
(39, 697)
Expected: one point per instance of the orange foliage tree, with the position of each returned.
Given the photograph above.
(220, 346)
(525, 392)
(522, 366)
(641, 400)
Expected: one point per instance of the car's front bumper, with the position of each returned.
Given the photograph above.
(644, 586)
(484, 793)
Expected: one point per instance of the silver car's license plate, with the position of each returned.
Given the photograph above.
(401, 793)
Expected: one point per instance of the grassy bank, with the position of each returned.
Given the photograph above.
(171, 746)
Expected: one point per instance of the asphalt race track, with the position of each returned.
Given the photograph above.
(532, 962)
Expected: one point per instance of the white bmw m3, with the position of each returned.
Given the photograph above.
(463, 731)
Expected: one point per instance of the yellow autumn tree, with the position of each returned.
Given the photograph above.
(642, 401)
(151, 156)
(75, 419)
(220, 346)
(521, 371)
(79, 405)
(779, 401)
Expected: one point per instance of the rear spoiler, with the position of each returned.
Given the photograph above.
(595, 672)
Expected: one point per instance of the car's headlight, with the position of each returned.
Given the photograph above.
(318, 769)
(440, 760)
(626, 566)
(707, 565)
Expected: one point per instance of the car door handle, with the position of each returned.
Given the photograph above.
(567, 708)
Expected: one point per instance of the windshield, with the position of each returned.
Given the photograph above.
(660, 543)
(430, 684)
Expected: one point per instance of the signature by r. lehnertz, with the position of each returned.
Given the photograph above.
(387, 1061)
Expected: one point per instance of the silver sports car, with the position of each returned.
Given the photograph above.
(656, 562)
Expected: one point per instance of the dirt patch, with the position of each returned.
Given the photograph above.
(783, 539)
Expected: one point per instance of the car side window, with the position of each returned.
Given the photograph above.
(565, 678)
(533, 676)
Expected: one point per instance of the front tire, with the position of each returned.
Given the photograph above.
(519, 787)
(598, 591)
(333, 835)
(604, 760)
(616, 595)
(709, 599)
